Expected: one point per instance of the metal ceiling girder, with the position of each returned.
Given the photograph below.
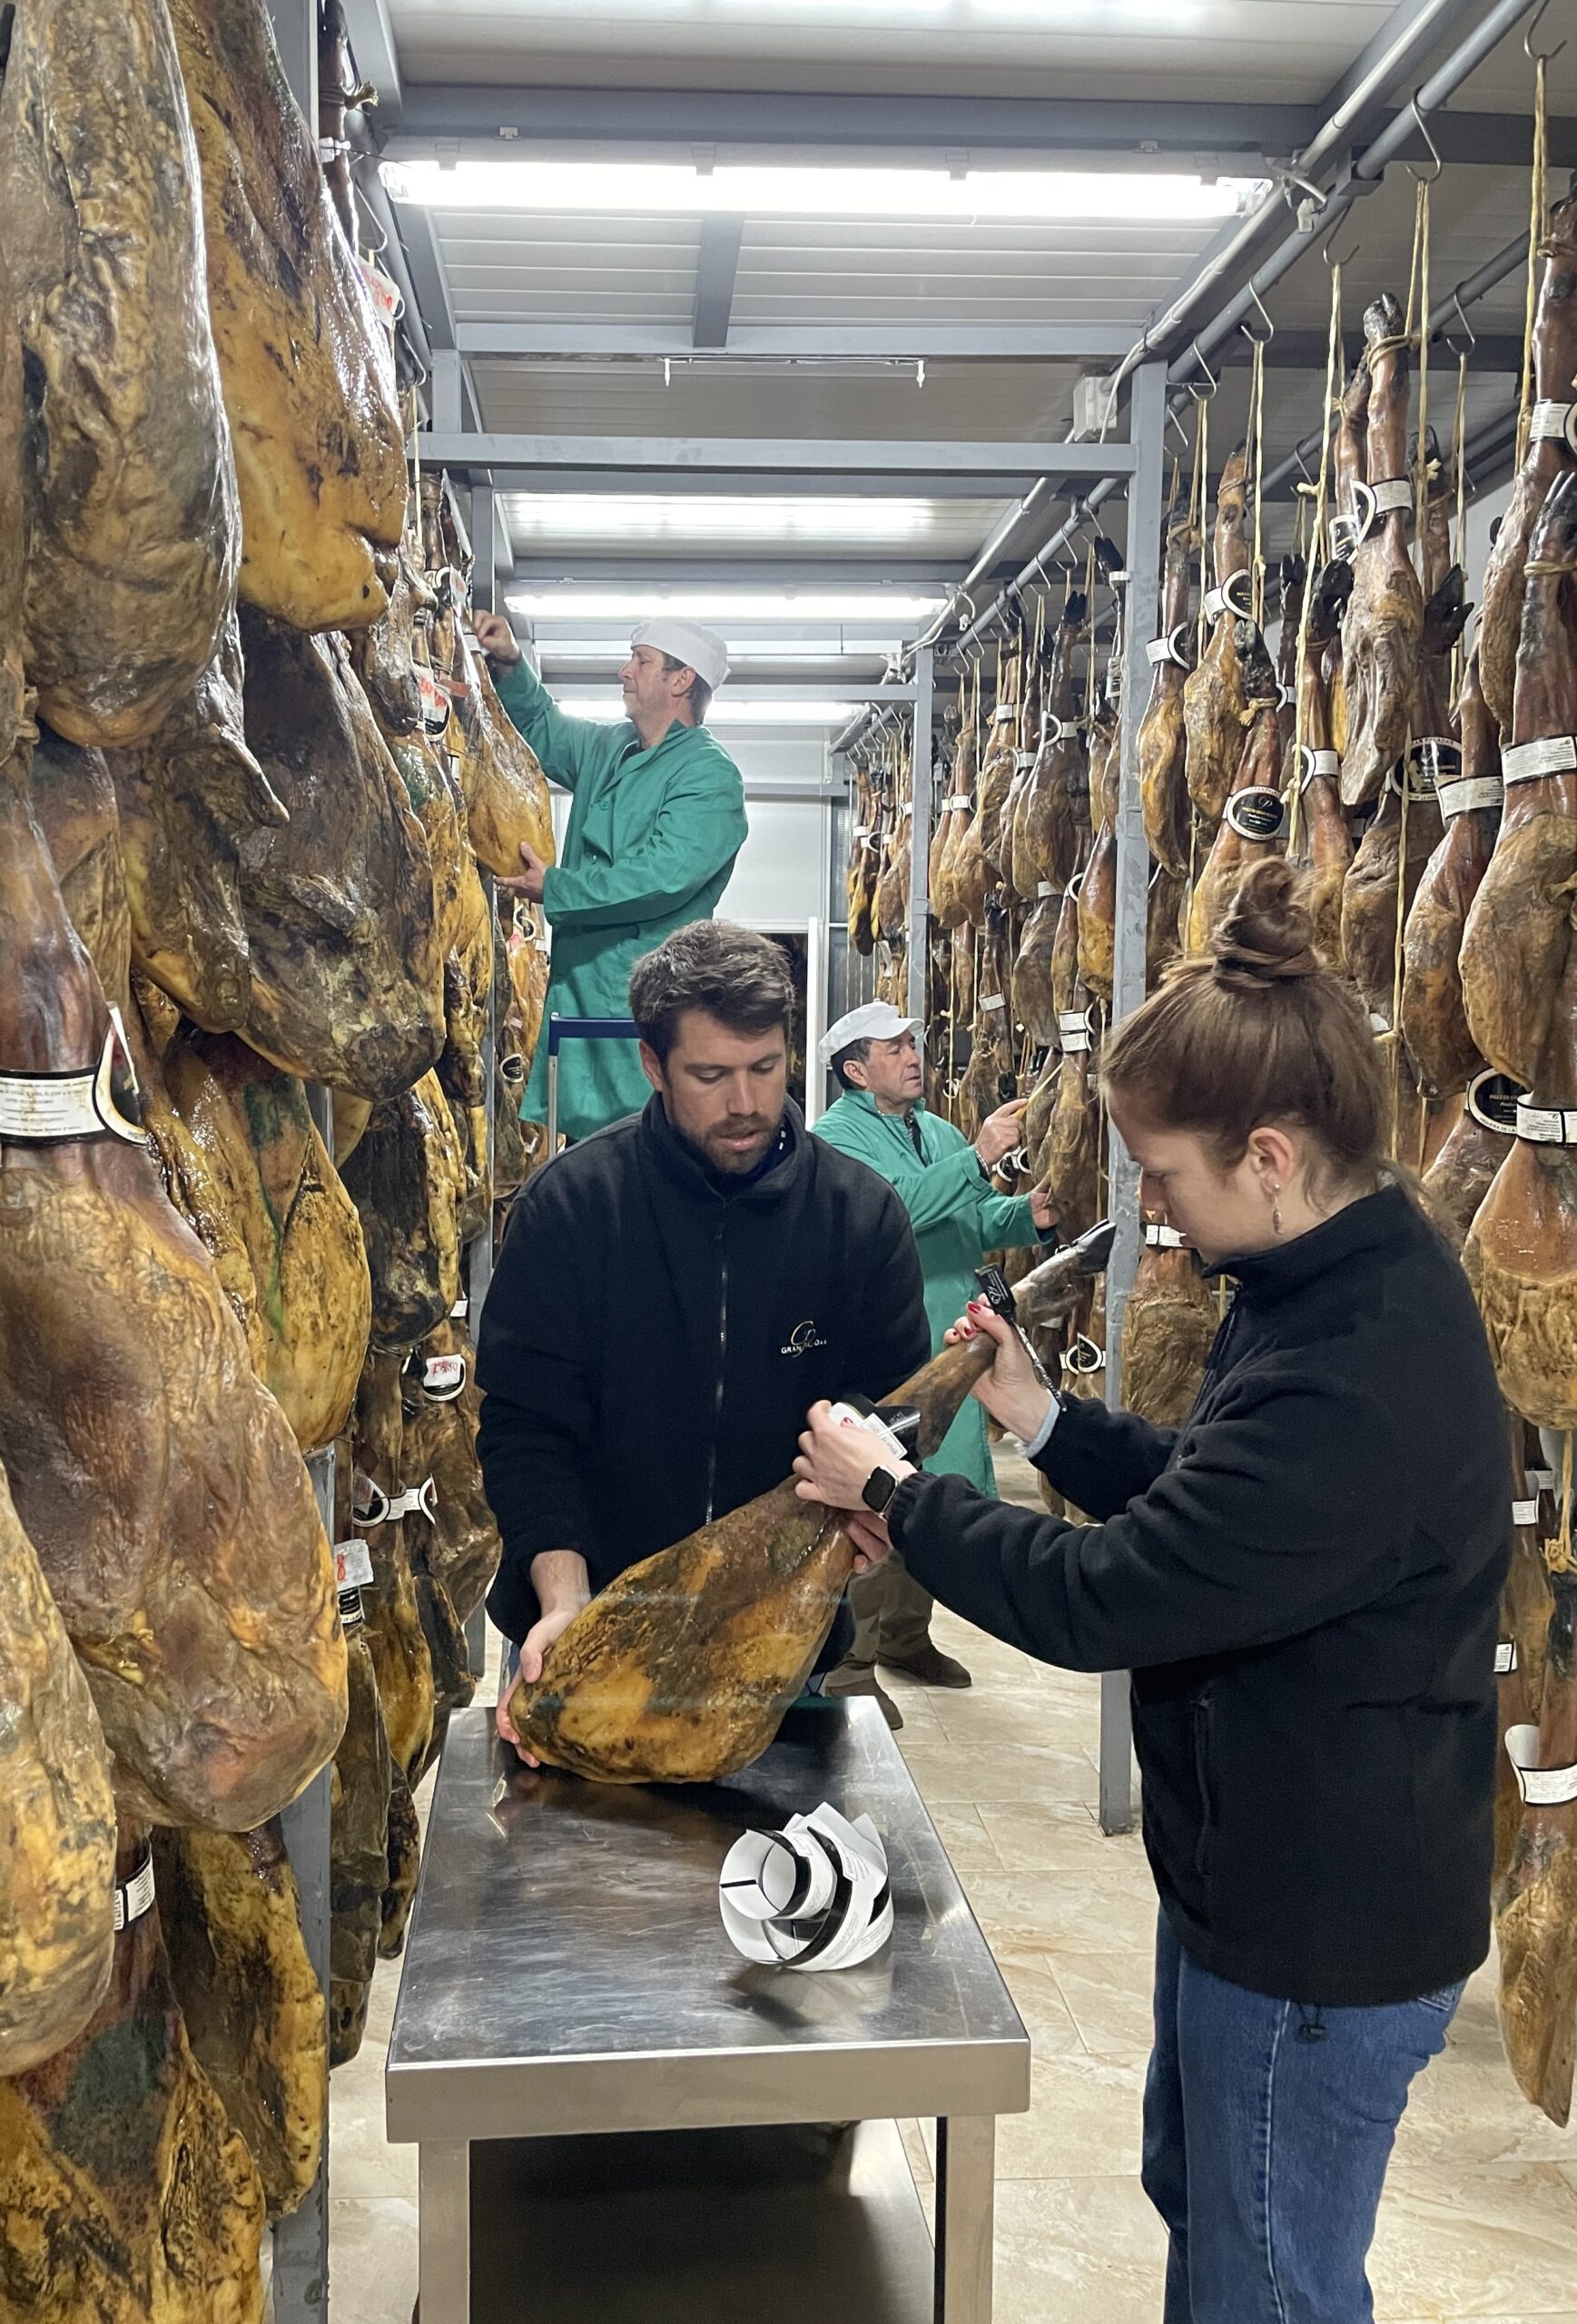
(673, 462)
(721, 568)
(811, 342)
(716, 271)
(377, 55)
(660, 121)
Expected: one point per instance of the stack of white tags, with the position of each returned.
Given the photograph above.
(814, 1896)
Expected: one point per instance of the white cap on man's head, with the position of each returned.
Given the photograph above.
(878, 1020)
(701, 650)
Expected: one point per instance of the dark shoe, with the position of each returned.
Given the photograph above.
(859, 1678)
(931, 1666)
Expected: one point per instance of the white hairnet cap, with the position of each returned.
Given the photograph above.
(701, 650)
(878, 1020)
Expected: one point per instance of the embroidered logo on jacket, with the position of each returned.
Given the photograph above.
(802, 1339)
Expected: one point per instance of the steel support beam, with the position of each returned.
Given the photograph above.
(296, 36)
(917, 963)
(858, 464)
(661, 122)
(812, 342)
(373, 46)
(716, 269)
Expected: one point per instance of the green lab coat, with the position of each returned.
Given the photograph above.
(652, 839)
(956, 1218)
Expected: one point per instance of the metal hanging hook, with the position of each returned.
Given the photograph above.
(1413, 169)
(1347, 256)
(1539, 55)
(1214, 387)
(1470, 334)
(1256, 339)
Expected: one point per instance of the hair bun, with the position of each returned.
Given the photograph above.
(1265, 935)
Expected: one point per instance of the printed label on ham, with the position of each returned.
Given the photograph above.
(1383, 627)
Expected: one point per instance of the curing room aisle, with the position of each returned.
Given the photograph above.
(1479, 2224)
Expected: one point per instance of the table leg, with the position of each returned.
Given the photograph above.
(444, 2226)
(965, 2189)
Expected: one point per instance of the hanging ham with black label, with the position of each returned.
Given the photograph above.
(1254, 824)
(1214, 695)
(1162, 742)
(1019, 876)
(1323, 845)
(1468, 793)
(1098, 889)
(1384, 627)
(1000, 764)
(1552, 453)
(1053, 816)
(1469, 1160)
(946, 894)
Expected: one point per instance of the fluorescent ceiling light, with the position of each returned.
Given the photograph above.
(611, 652)
(569, 603)
(702, 516)
(608, 708)
(1050, 196)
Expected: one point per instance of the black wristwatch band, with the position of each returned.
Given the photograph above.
(878, 1489)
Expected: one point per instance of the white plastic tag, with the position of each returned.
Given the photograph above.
(1084, 1357)
(1164, 1238)
(992, 1000)
(1168, 649)
(1542, 1480)
(1073, 1024)
(134, 1896)
(1026, 759)
(42, 1108)
(512, 1070)
(1505, 1656)
(1524, 1512)
(416, 1501)
(367, 1500)
(461, 1308)
(1053, 730)
(1378, 1024)
(956, 805)
(1471, 791)
(384, 294)
(352, 1612)
(443, 1378)
(1235, 596)
(1395, 492)
(1540, 1787)
(1003, 711)
(1526, 761)
(1546, 1125)
(352, 1564)
(1313, 763)
(1554, 423)
(848, 1417)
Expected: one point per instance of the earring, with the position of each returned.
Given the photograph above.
(1275, 1207)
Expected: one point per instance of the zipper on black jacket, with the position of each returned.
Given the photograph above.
(722, 1372)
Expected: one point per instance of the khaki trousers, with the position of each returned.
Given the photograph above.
(891, 1614)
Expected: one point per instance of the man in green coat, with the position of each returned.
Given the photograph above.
(656, 819)
(944, 1183)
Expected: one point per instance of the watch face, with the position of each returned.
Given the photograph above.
(879, 1489)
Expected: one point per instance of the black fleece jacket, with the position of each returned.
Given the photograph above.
(653, 1337)
(1303, 1581)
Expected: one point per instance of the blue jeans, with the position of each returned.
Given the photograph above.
(1268, 2125)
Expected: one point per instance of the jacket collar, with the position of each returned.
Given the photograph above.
(686, 1170)
(1376, 1224)
(861, 1101)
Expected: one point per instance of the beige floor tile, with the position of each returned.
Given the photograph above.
(967, 1842)
(1063, 1839)
(976, 1774)
(372, 2261)
(1457, 2242)
(1109, 1998)
(1083, 2120)
(1465, 2109)
(1087, 2248)
(362, 2163)
(1053, 1912)
(1038, 1999)
(918, 2154)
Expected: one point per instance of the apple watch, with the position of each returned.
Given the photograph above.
(878, 1489)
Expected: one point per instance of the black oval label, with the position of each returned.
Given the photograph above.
(1257, 814)
(1491, 1100)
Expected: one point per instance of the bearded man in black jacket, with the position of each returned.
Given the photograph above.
(674, 1292)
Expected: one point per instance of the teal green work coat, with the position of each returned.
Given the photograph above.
(652, 839)
(956, 1218)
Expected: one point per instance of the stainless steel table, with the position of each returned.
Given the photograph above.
(568, 1984)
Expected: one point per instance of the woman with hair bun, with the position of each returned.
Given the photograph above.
(1304, 1580)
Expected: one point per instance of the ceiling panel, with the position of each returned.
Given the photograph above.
(649, 525)
(1282, 51)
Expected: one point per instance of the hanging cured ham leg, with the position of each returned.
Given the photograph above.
(1168, 1323)
(1467, 1164)
(1526, 1605)
(1384, 620)
(1433, 1020)
(1536, 1920)
(1550, 455)
(681, 1671)
(1213, 695)
(1162, 742)
(133, 529)
(1519, 928)
(1098, 889)
(1324, 845)
(1253, 823)
(156, 1477)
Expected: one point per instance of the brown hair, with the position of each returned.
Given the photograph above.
(1255, 1031)
(730, 973)
(697, 694)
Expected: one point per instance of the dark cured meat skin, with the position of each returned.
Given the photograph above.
(1053, 824)
(347, 978)
(155, 1476)
(681, 1671)
(1213, 695)
(1462, 1174)
(358, 1855)
(1323, 845)
(1536, 1912)
(1098, 889)
(1162, 742)
(1258, 766)
(1384, 619)
(1168, 1323)
(134, 522)
(1554, 370)
(406, 1176)
(1433, 1020)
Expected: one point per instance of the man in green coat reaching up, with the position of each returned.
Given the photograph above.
(656, 819)
(944, 1183)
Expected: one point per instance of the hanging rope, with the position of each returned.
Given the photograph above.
(1317, 548)
(1418, 323)
(1256, 436)
(1202, 485)
(1538, 223)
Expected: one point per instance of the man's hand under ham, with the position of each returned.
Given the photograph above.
(1010, 1391)
(495, 638)
(872, 1541)
(529, 883)
(836, 1457)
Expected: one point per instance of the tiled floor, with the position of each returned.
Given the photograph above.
(1479, 2224)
